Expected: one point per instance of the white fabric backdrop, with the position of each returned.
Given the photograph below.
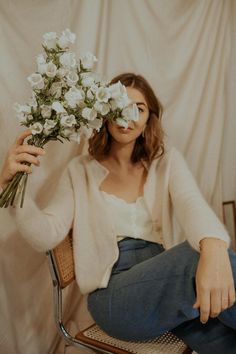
(183, 48)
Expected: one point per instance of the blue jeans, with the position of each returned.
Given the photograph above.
(152, 290)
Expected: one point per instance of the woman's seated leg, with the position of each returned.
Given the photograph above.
(154, 295)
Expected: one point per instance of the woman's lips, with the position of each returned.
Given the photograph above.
(125, 130)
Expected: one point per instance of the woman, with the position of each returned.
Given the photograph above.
(140, 276)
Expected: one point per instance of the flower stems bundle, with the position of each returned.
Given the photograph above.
(68, 101)
(14, 190)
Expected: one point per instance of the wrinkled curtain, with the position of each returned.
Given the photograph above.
(183, 48)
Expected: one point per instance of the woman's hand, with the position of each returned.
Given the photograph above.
(214, 279)
(17, 154)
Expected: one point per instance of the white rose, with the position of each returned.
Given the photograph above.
(40, 59)
(113, 105)
(46, 111)
(74, 96)
(103, 94)
(131, 112)
(68, 60)
(42, 65)
(120, 102)
(50, 40)
(68, 121)
(55, 89)
(102, 108)
(36, 81)
(96, 124)
(36, 128)
(66, 38)
(33, 102)
(122, 122)
(51, 69)
(67, 132)
(88, 60)
(88, 81)
(72, 78)
(62, 72)
(48, 126)
(30, 117)
(94, 88)
(85, 131)
(57, 106)
(90, 95)
(89, 113)
(117, 90)
(42, 68)
(22, 108)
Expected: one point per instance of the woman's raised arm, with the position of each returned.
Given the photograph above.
(43, 229)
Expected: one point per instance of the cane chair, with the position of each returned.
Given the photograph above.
(61, 266)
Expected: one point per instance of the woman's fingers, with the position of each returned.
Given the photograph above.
(24, 157)
(17, 155)
(225, 299)
(211, 304)
(197, 304)
(205, 302)
(23, 168)
(231, 296)
(30, 149)
(216, 302)
(21, 137)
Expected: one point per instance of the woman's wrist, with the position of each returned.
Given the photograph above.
(208, 243)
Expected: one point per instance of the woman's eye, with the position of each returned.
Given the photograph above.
(140, 109)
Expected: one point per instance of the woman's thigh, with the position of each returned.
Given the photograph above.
(150, 297)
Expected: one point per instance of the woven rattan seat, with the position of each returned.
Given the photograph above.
(164, 344)
(62, 271)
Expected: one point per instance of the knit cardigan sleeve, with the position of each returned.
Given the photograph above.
(46, 228)
(193, 213)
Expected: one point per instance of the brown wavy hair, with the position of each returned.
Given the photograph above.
(147, 147)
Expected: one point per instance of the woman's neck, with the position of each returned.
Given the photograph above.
(120, 154)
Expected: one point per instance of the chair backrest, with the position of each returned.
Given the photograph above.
(63, 261)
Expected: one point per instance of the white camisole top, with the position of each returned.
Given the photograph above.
(132, 219)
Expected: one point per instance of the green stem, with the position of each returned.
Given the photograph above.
(5, 195)
(24, 188)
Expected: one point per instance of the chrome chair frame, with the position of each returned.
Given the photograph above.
(57, 295)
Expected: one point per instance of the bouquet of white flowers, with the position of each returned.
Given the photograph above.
(68, 101)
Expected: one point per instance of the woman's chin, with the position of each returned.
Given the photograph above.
(124, 139)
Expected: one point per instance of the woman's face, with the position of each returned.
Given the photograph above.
(130, 134)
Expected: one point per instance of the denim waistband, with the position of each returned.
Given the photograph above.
(128, 243)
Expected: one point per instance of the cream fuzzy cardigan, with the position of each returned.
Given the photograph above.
(79, 204)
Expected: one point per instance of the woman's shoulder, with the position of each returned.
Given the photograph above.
(171, 159)
(170, 153)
